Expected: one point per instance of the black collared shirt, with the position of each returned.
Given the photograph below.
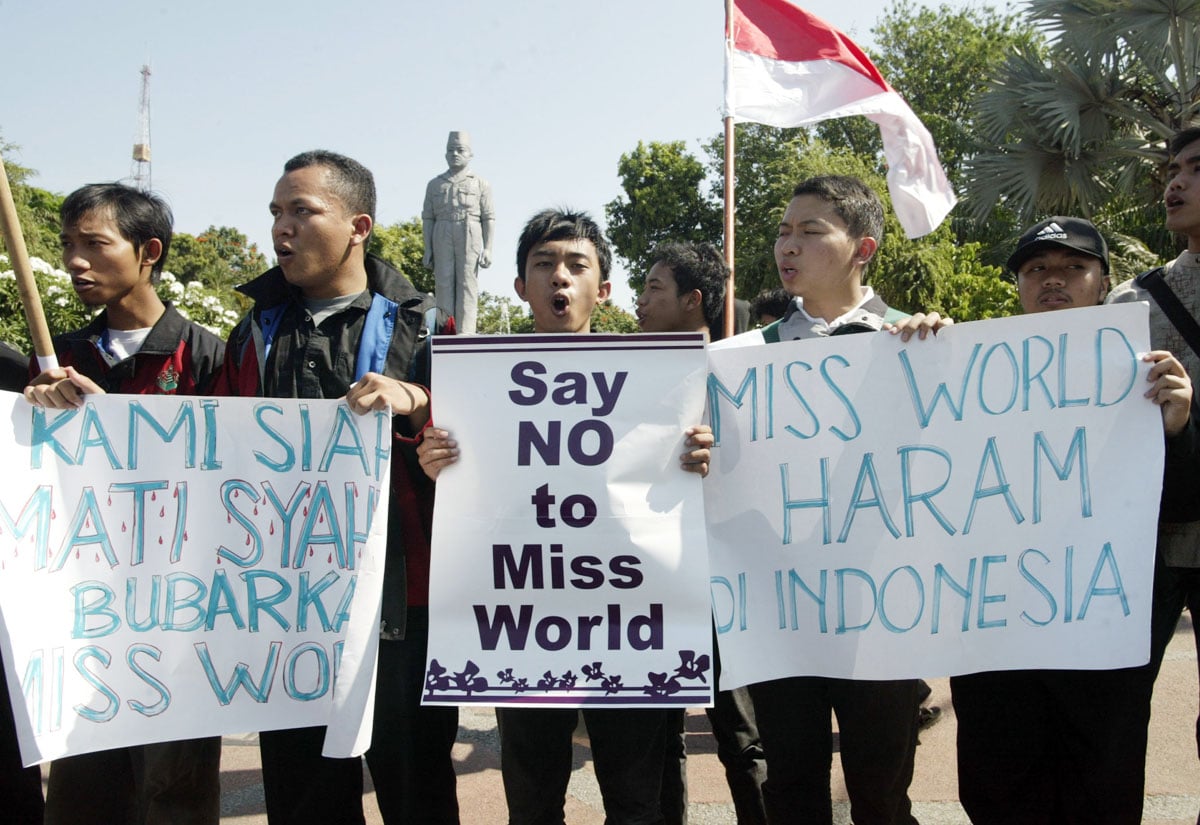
(311, 361)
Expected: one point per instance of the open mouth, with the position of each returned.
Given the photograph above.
(559, 304)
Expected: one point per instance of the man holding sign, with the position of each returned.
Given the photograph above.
(1062, 745)
(331, 321)
(563, 263)
(827, 236)
(115, 241)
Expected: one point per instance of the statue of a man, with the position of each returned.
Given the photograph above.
(458, 223)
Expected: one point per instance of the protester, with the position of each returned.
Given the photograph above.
(769, 305)
(303, 339)
(20, 787)
(685, 292)
(563, 263)
(829, 232)
(115, 241)
(1177, 567)
(1062, 746)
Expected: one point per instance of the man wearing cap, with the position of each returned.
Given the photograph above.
(1062, 746)
(458, 224)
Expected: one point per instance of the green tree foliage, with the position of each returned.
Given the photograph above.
(663, 201)
(403, 246)
(501, 316)
(37, 210)
(220, 257)
(1079, 126)
(608, 317)
(939, 61)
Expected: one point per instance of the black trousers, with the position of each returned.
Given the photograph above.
(20, 788)
(1174, 589)
(1067, 747)
(738, 749)
(877, 725)
(166, 783)
(409, 757)
(627, 755)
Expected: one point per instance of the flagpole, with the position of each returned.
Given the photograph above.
(730, 285)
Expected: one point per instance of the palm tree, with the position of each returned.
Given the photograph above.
(1080, 125)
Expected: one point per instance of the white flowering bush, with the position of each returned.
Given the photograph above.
(218, 310)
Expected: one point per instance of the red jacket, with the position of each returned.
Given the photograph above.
(179, 357)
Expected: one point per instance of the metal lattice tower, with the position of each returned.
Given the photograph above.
(141, 143)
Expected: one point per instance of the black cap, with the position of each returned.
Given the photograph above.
(1073, 233)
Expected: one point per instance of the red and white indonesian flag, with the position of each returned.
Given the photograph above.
(786, 67)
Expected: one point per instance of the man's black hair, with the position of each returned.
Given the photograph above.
(852, 200)
(352, 182)
(696, 266)
(563, 225)
(140, 216)
(1182, 139)
(773, 302)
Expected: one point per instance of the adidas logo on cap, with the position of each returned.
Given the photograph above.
(1073, 233)
(1050, 232)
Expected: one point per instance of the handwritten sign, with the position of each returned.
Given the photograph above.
(986, 500)
(178, 567)
(569, 557)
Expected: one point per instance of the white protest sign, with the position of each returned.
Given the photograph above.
(175, 567)
(569, 556)
(985, 500)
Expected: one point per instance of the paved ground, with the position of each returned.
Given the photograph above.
(1172, 768)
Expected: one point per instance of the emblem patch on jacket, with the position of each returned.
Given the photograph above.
(168, 379)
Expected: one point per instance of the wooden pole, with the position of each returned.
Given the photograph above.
(18, 256)
(729, 182)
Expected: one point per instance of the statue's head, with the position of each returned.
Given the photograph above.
(458, 151)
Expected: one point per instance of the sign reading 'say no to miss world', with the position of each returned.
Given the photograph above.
(569, 558)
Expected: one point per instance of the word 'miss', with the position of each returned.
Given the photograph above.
(1030, 375)
(589, 443)
(1004, 378)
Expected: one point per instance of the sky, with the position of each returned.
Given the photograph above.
(552, 92)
